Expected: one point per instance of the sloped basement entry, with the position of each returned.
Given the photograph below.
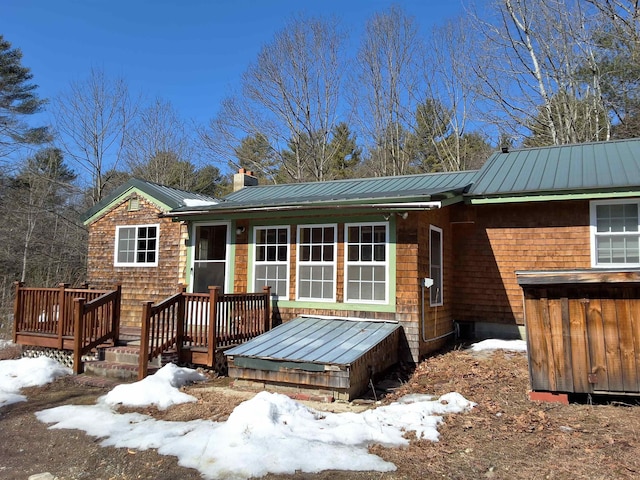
(327, 357)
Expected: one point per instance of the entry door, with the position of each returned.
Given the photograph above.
(210, 257)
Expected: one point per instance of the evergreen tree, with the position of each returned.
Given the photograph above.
(18, 99)
(345, 155)
(256, 154)
(618, 62)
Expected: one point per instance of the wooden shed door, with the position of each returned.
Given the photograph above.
(210, 257)
(584, 345)
(613, 327)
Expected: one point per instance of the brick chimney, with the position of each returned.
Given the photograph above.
(243, 179)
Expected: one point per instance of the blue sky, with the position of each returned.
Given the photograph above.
(189, 53)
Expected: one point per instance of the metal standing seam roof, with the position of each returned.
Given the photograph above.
(351, 190)
(173, 198)
(597, 166)
(317, 340)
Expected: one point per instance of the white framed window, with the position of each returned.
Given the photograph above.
(435, 265)
(316, 278)
(366, 262)
(271, 260)
(136, 246)
(615, 233)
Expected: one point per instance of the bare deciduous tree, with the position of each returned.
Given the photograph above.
(387, 84)
(617, 61)
(533, 51)
(290, 96)
(451, 106)
(91, 119)
(157, 142)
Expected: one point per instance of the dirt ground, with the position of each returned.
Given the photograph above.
(505, 437)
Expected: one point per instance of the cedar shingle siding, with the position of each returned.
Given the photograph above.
(138, 283)
(492, 242)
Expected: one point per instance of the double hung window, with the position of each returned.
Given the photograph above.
(317, 262)
(272, 260)
(615, 234)
(366, 264)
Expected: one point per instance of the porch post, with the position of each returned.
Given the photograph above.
(115, 321)
(17, 310)
(143, 357)
(267, 308)
(180, 325)
(213, 316)
(61, 313)
(78, 310)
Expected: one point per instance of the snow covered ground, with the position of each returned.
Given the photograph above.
(494, 344)
(26, 372)
(263, 435)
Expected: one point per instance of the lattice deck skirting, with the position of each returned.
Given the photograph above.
(64, 357)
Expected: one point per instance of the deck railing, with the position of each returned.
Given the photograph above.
(183, 321)
(65, 318)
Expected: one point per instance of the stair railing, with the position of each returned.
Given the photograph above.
(201, 320)
(162, 329)
(95, 323)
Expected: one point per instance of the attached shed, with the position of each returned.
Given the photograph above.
(323, 356)
(583, 331)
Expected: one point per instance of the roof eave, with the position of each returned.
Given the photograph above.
(421, 202)
(553, 196)
(412, 206)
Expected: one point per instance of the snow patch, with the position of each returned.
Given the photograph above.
(27, 372)
(194, 202)
(493, 344)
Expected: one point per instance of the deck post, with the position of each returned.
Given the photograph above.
(115, 320)
(61, 313)
(78, 310)
(213, 316)
(143, 364)
(180, 325)
(17, 310)
(267, 308)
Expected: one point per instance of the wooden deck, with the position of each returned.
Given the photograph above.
(193, 325)
(78, 320)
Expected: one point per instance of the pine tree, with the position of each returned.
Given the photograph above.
(18, 100)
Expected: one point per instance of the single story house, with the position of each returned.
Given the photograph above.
(434, 252)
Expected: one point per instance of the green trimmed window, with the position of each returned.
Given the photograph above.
(317, 262)
(271, 260)
(366, 262)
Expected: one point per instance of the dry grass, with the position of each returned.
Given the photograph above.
(508, 436)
